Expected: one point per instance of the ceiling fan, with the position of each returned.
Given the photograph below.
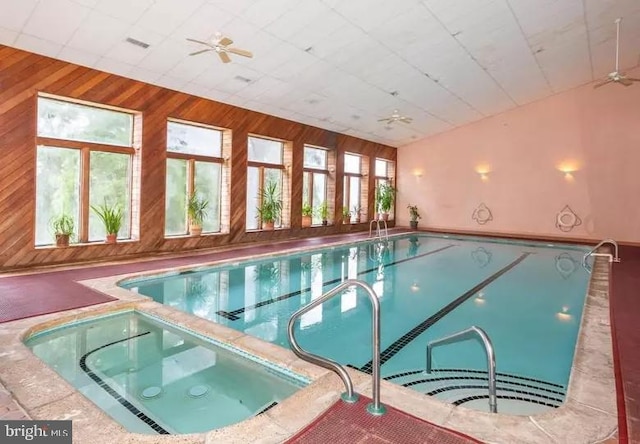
(220, 45)
(396, 117)
(616, 76)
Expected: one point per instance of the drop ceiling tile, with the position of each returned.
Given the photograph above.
(113, 66)
(333, 43)
(218, 96)
(37, 45)
(370, 14)
(298, 17)
(98, 33)
(15, 13)
(129, 11)
(163, 57)
(78, 56)
(88, 3)
(263, 12)
(145, 75)
(204, 24)
(164, 16)
(7, 36)
(55, 20)
(324, 25)
(126, 52)
(170, 82)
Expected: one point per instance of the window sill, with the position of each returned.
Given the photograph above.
(85, 244)
(189, 236)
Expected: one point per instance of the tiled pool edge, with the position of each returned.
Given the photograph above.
(584, 413)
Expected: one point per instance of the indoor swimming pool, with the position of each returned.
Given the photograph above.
(527, 296)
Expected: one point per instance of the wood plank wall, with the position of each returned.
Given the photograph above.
(23, 75)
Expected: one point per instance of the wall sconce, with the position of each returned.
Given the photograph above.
(417, 173)
(332, 169)
(568, 168)
(483, 170)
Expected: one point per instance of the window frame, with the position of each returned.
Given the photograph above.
(312, 171)
(388, 177)
(84, 179)
(261, 166)
(191, 160)
(346, 193)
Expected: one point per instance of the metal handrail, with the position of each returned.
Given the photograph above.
(612, 257)
(375, 408)
(488, 348)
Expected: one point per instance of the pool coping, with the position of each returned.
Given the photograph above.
(588, 414)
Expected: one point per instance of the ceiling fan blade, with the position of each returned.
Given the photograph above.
(625, 81)
(224, 41)
(199, 41)
(598, 85)
(224, 57)
(631, 79)
(241, 52)
(201, 51)
(405, 119)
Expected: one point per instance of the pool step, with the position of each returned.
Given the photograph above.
(517, 395)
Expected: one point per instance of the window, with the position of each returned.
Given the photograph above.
(384, 176)
(354, 188)
(85, 157)
(314, 182)
(194, 164)
(265, 167)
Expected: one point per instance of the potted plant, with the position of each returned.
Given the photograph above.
(385, 195)
(346, 215)
(307, 212)
(197, 210)
(323, 211)
(111, 216)
(414, 216)
(355, 213)
(63, 227)
(270, 208)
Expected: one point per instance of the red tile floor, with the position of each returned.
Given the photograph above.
(51, 291)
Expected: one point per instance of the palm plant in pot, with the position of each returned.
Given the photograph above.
(346, 215)
(197, 210)
(111, 216)
(414, 215)
(323, 211)
(307, 212)
(385, 195)
(63, 227)
(270, 208)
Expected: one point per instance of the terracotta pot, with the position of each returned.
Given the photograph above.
(325, 222)
(62, 240)
(112, 238)
(268, 226)
(195, 230)
(306, 221)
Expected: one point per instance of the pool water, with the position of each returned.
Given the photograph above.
(528, 297)
(154, 378)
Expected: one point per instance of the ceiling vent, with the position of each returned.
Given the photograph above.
(137, 42)
(243, 79)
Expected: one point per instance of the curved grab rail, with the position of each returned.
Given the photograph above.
(612, 257)
(488, 348)
(375, 408)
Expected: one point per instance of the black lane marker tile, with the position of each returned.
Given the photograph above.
(233, 315)
(517, 398)
(525, 378)
(486, 387)
(115, 395)
(478, 378)
(416, 331)
(270, 406)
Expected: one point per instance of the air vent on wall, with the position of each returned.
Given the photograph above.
(137, 42)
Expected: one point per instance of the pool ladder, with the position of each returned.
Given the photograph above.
(374, 408)
(488, 348)
(612, 257)
(382, 232)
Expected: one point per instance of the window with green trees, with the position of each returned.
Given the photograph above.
(353, 184)
(314, 180)
(194, 162)
(265, 165)
(84, 157)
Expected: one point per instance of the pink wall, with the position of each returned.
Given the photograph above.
(596, 131)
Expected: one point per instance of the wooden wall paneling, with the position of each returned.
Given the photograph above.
(23, 75)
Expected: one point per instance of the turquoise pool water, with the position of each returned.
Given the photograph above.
(528, 297)
(154, 378)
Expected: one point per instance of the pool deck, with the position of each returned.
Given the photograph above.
(28, 388)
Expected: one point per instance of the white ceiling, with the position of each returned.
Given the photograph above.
(335, 63)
